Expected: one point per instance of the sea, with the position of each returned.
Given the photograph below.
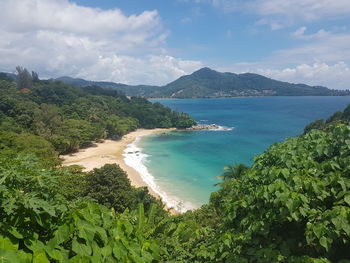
(183, 166)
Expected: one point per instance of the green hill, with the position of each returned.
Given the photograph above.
(208, 83)
(129, 90)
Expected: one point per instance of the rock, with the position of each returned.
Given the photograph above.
(204, 127)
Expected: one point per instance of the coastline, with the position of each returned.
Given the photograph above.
(112, 152)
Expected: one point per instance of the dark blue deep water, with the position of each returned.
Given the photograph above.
(185, 164)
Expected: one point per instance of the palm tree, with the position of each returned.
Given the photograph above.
(234, 171)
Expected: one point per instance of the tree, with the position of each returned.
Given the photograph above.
(184, 121)
(47, 119)
(35, 77)
(79, 133)
(335, 117)
(346, 114)
(24, 78)
(110, 186)
(117, 127)
(233, 171)
(318, 124)
(12, 144)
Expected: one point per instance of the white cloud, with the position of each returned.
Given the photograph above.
(335, 76)
(152, 70)
(279, 13)
(274, 25)
(59, 37)
(300, 34)
(321, 47)
(303, 9)
(323, 58)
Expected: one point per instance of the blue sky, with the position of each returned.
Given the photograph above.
(156, 41)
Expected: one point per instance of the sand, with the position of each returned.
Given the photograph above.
(111, 152)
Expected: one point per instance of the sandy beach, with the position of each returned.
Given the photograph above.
(109, 152)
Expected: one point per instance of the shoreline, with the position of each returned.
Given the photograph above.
(112, 152)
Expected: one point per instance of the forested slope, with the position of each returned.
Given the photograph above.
(291, 205)
(208, 83)
(64, 118)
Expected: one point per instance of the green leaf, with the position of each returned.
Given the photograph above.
(318, 230)
(12, 230)
(324, 242)
(60, 235)
(8, 256)
(80, 259)
(80, 249)
(56, 254)
(141, 217)
(24, 257)
(34, 245)
(6, 244)
(39, 256)
(347, 199)
(119, 251)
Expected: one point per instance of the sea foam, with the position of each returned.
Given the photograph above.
(223, 128)
(217, 128)
(136, 159)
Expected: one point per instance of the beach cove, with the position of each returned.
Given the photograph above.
(116, 152)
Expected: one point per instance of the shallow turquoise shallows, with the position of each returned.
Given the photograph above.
(185, 165)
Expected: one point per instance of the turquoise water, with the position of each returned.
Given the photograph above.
(185, 164)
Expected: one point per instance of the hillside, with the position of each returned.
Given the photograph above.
(208, 83)
(70, 117)
(129, 90)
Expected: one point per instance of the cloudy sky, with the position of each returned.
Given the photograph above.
(156, 41)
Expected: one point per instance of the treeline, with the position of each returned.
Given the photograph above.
(291, 205)
(63, 118)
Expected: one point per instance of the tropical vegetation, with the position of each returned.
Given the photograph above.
(68, 117)
(291, 205)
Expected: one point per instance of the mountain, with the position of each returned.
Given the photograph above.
(7, 76)
(208, 83)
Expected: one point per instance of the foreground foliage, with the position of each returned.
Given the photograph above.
(294, 202)
(38, 224)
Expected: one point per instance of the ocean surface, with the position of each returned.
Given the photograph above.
(183, 166)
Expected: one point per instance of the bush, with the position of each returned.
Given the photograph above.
(292, 205)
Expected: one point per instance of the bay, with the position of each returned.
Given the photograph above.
(186, 164)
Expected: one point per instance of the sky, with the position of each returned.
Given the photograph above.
(156, 41)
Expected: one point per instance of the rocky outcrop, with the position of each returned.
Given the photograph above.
(204, 127)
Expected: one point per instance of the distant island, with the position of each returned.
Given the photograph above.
(208, 83)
